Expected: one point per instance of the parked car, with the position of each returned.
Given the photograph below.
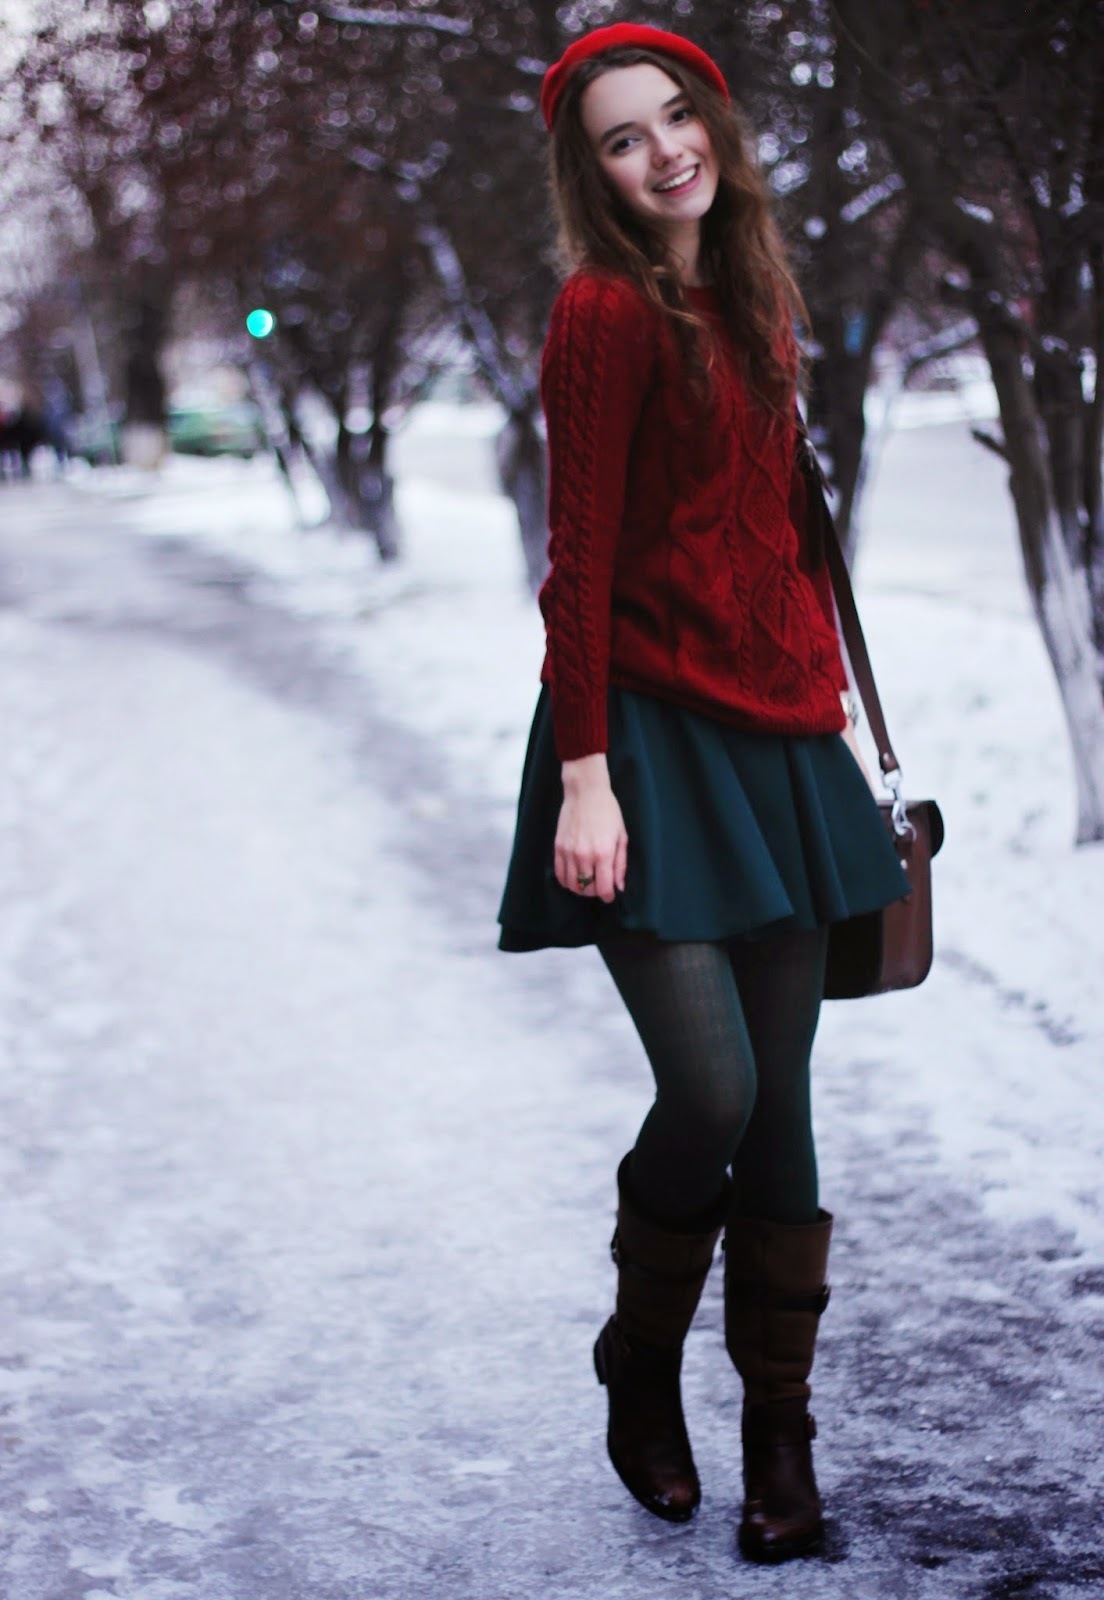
(233, 429)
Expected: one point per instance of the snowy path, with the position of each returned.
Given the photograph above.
(309, 1191)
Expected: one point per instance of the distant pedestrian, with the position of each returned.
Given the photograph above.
(21, 433)
(693, 800)
(57, 419)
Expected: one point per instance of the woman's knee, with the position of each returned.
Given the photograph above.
(713, 1114)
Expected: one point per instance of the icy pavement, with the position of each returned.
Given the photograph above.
(309, 1190)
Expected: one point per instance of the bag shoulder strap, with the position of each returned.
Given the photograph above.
(851, 627)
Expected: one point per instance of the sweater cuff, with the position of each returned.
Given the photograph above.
(580, 732)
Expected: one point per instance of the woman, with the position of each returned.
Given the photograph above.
(693, 801)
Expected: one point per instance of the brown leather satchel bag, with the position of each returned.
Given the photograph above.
(892, 948)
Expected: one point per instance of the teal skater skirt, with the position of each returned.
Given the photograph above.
(730, 833)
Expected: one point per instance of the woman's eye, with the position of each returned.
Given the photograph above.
(681, 114)
(620, 144)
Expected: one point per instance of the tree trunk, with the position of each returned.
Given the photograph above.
(145, 325)
(1059, 589)
(840, 381)
(345, 474)
(522, 471)
(144, 434)
(849, 328)
(841, 372)
(1060, 402)
(1093, 545)
(378, 487)
(365, 488)
(300, 447)
(520, 450)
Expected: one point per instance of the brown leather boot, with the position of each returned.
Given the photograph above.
(775, 1292)
(638, 1355)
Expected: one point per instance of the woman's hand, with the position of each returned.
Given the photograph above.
(592, 846)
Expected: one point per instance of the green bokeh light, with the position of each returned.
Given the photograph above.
(260, 323)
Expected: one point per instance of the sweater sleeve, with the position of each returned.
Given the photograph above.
(819, 575)
(595, 371)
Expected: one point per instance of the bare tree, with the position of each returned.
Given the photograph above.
(476, 195)
(80, 106)
(995, 121)
(848, 225)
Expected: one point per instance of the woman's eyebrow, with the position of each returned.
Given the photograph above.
(611, 133)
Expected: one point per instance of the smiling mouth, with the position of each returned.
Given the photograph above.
(676, 185)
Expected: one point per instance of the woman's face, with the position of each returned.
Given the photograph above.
(652, 147)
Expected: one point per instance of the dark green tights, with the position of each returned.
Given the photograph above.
(728, 1030)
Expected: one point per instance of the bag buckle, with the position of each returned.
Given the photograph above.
(899, 816)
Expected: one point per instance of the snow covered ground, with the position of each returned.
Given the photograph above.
(308, 1189)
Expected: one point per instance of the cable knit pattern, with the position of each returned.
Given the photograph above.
(677, 568)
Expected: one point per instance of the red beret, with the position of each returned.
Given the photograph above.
(640, 37)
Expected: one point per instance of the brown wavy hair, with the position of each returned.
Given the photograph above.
(742, 251)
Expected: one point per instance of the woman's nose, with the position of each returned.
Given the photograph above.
(664, 146)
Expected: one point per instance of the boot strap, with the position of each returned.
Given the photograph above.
(633, 1347)
(756, 1294)
(779, 1422)
(624, 1263)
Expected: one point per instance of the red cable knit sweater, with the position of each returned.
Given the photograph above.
(677, 568)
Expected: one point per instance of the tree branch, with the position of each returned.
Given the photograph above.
(991, 442)
(370, 17)
(943, 343)
(931, 183)
(1006, 130)
(435, 240)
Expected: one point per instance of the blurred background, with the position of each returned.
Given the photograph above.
(307, 1190)
(250, 226)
